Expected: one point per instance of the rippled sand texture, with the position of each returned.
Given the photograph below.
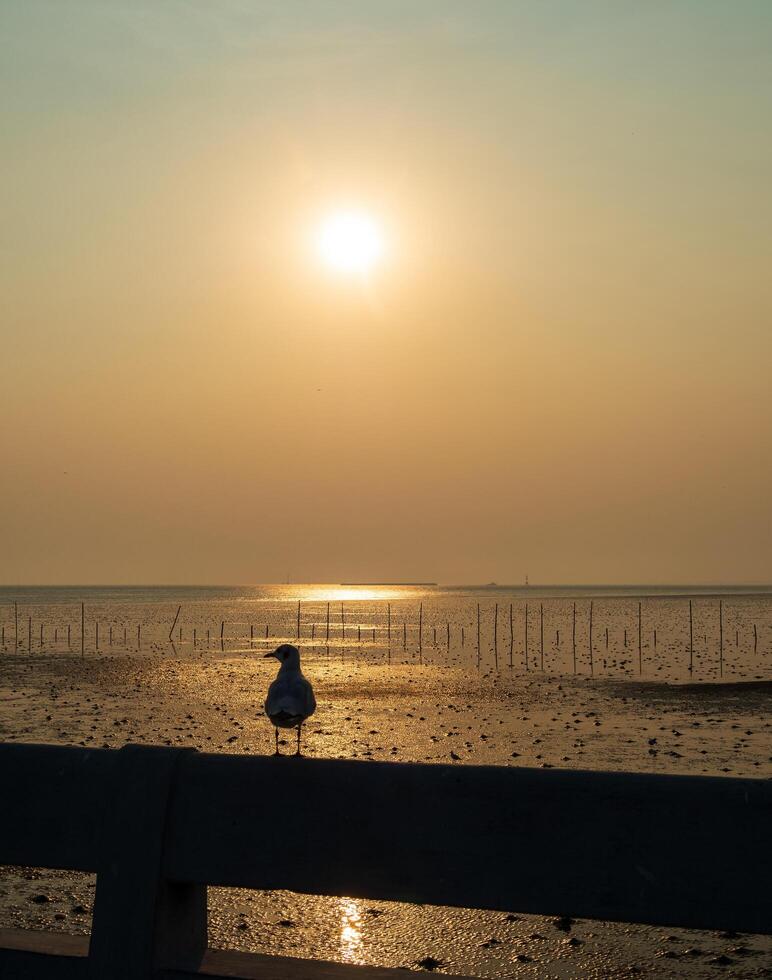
(430, 708)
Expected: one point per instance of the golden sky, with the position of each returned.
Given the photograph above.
(562, 364)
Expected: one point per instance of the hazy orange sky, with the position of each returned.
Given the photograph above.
(563, 365)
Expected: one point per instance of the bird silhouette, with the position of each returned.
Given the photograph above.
(290, 697)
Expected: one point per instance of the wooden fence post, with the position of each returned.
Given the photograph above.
(142, 923)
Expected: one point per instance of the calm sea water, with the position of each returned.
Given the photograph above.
(48, 594)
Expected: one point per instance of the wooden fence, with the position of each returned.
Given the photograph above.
(157, 825)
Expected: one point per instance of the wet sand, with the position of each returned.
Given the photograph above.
(371, 709)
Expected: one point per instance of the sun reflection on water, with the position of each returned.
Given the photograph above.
(350, 931)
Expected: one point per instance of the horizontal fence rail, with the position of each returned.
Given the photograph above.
(158, 825)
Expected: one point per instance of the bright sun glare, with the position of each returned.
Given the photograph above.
(350, 242)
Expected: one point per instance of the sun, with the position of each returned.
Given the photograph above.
(350, 242)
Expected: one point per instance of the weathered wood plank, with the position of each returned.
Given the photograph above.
(222, 963)
(142, 921)
(27, 954)
(52, 804)
(664, 850)
(46, 954)
(669, 850)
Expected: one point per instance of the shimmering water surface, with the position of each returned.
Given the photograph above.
(677, 633)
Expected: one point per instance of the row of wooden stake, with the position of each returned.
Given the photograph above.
(328, 626)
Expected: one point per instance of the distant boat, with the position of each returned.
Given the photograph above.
(491, 585)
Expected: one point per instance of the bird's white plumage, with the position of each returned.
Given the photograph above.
(290, 697)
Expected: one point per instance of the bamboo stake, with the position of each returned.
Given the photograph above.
(388, 621)
(691, 639)
(82, 629)
(298, 624)
(496, 637)
(721, 637)
(171, 631)
(592, 667)
(328, 622)
(15, 626)
(526, 637)
(420, 627)
(573, 635)
(478, 634)
(541, 634)
(640, 646)
(511, 636)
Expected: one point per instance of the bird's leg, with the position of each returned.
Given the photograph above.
(276, 733)
(297, 750)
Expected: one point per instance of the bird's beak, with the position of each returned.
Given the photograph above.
(267, 655)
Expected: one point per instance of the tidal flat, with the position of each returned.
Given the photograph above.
(411, 710)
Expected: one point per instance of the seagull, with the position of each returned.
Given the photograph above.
(290, 697)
